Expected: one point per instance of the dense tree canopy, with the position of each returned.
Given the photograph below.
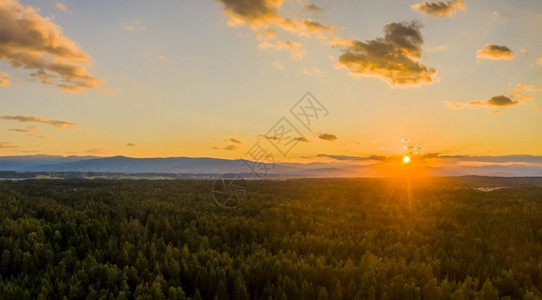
(293, 239)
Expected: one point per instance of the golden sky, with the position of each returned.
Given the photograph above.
(213, 78)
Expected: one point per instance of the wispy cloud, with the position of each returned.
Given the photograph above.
(56, 123)
(4, 79)
(393, 58)
(158, 57)
(312, 71)
(495, 52)
(27, 130)
(493, 103)
(439, 9)
(32, 42)
(133, 26)
(353, 158)
(277, 64)
(63, 7)
(7, 145)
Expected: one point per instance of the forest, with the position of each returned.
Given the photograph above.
(408, 238)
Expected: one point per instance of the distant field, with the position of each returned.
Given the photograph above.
(432, 238)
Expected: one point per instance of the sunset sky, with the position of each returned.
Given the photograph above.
(211, 78)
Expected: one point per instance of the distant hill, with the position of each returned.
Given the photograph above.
(499, 166)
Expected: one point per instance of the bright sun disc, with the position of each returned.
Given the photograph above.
(406, 159)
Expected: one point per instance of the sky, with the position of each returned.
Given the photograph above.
(218, 78)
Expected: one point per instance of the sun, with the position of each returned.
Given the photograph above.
(406, 159)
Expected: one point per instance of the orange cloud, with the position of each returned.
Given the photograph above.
(58, 124)
(493, 103)
(34, 43)
(133, 26)
(495, 52)
(4, 79)
(393, 58)
(439, 9)
(63, 7)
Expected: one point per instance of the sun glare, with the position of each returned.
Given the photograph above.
(406, 159)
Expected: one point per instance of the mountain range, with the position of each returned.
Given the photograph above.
(503, 166)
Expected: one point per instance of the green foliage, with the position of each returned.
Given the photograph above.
(294, 239)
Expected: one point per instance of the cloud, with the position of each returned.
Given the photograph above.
(63, 7)
(58, 124)
(273, 138)
(254, 13)
(493, 103)
(4, 79)
(353, 158)
(495, 52)
(133, 26)
(437, 48)
(313, 71)
(262, 17)
(439, 9)
(96, 151)
(107, 91)
(7, 146)
(277, 64)
(150, 54)
(302, 139)
(405, 140)
(316, 27)
(393, 58)
(131, 145)
(28, 129)
(235, 141)
(313, 8)
(521, 90)
(295, 48)
(34, 43)
(540, 61)
(327, 137)
(528, 88)
(231, 147)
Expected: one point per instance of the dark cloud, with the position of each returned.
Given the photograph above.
(31, 42)
(58, 124)
(495, 52)
(501, 101)
(273, 138)
(313, 8)
(327, 137)
(254, 13)
(439, 9)
(234, 140)
(130, 144)
(492, 103)
(393, 58)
